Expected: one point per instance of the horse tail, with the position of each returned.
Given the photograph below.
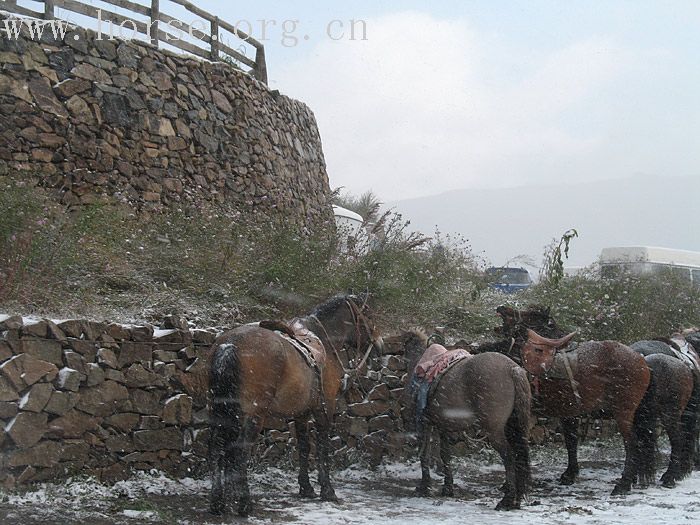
(225, 407)
(645, 433)
(690, 422)
(518, 429)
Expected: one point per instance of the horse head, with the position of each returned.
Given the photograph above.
(345, 322)
(535, 317)
(538, 352)
(414, 342)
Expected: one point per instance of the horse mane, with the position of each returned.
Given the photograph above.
(331, 305)
(417, 335)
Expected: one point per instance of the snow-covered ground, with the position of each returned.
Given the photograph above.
(380, 496)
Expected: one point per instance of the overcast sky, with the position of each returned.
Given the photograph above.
(452, 94)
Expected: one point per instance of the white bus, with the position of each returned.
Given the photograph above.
(647, 260)
(350, 228)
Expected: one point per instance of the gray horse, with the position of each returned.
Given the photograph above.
(487, 391)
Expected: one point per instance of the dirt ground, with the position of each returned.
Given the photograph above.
(383, 495)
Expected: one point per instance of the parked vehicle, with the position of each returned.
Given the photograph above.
(508, 279)
(350, 227)
(647, 260)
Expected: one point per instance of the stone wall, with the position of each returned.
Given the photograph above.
(100, 119)
(105, 399)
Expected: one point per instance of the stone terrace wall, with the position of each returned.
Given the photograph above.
(99, 119)
(105, 399)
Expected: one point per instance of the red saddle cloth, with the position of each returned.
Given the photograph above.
(437, 359)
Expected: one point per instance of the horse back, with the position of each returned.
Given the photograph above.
(606, 374)
(477, 390)
(273, 378)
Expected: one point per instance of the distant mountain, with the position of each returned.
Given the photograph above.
(503, 223)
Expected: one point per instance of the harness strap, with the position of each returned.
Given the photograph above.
(570, 373)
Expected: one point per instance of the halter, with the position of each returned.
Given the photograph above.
(357, 317)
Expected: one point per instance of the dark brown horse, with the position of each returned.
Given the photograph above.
(256, 374)
(487, 391)
(597, 375)
(673, 398)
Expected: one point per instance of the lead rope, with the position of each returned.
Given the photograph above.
(353, 372)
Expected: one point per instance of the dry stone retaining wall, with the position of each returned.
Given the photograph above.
(105, 399)
(100, 119)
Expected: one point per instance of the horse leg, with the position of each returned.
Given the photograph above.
(301, 426)
(423, 489)
(511, 498)
(569, 426)
(675, 466)
(691, 425)
(625, 424)
(323, 446)
(239, 456)
(216, 470)
(448, 489)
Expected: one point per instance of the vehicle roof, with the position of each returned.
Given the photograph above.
(339, 211)
(623, 254)
(506, 268)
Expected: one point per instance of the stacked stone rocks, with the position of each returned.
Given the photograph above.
(99, 398)
(109, 119)
(106, 399)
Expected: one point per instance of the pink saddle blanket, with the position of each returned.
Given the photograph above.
(437, 359)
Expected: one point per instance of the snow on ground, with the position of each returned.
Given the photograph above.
(380, 496)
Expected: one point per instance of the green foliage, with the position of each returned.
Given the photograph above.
(625, 307)
(552, 270)
(216, 266)
(105, 261)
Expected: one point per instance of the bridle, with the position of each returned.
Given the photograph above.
(359, 319)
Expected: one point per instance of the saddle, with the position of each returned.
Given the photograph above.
(301, 338)
(684, 351)
(564, 366)
(560, 365)
(436, 361)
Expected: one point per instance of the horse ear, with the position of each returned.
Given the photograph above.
(505, 311)
(548, 311)
(364, 298)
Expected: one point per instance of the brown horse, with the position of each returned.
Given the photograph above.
(597, 375)
(256, 374)
(487, 391)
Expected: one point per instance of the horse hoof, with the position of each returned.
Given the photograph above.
(329, 496)
(668, 482)
(566, 480)
(508, 504)
(307, 492)
(620, 490)
(422, 492)
(447, 491)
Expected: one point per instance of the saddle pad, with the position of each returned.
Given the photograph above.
(440, 368)
(558, 370)
(686, 354)
(310, 340)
